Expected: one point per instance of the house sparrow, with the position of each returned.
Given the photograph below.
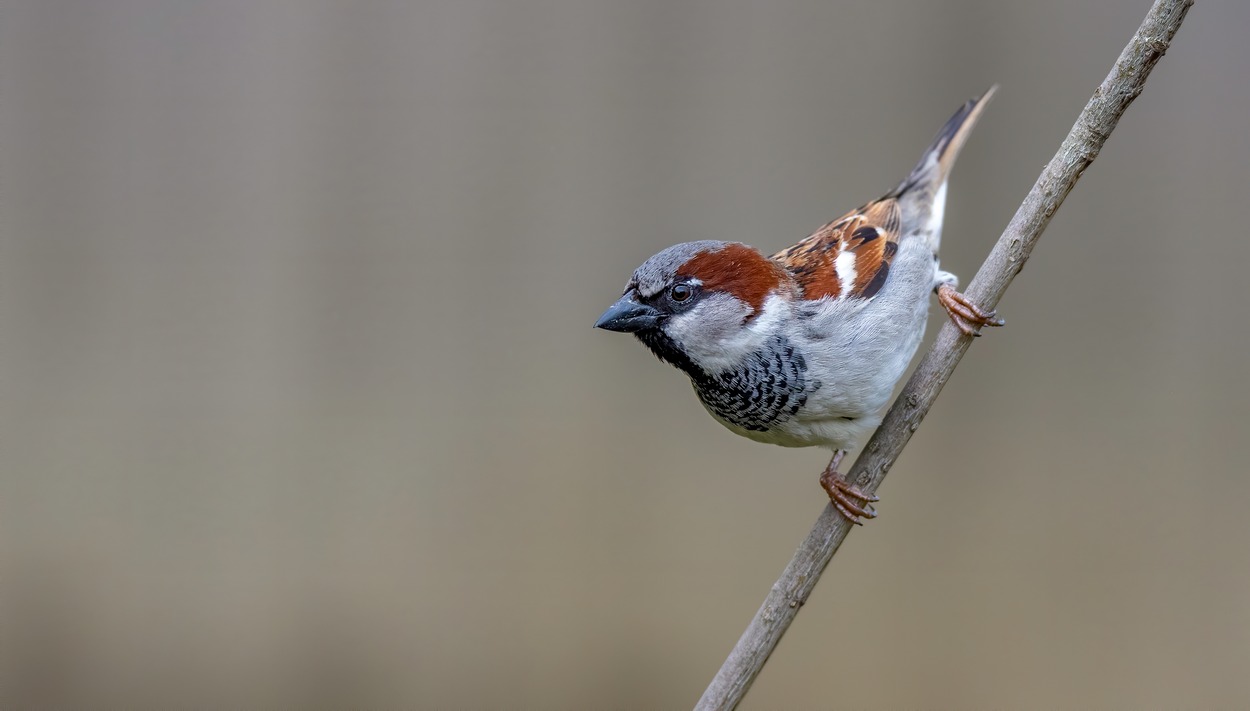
(803, 348)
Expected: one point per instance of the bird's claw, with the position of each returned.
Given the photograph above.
(966, 315)
(851, 501)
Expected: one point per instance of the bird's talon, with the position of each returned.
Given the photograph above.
(967, 316)
(846, 514)
(843, 495)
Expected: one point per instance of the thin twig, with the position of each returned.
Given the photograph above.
(1004, 262)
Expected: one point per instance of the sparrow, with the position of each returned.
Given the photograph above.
(803, 348)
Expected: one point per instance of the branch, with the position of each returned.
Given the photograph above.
(1004, 262)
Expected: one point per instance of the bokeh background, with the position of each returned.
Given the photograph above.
(301, 406)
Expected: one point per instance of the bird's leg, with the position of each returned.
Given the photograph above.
(967, 316)
(849, 500)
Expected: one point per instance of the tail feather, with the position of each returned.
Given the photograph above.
(935, 165)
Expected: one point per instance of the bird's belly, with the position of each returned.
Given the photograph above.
(834, 433)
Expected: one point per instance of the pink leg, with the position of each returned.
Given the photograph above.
(849, 500)
(967, 316)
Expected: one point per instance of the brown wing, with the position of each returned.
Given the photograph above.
(849, 257)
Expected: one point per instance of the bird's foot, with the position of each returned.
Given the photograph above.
(967, 316)
(850, 500)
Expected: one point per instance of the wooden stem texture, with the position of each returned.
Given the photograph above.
(1004, 262)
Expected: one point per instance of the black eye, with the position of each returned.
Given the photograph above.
(680, 292)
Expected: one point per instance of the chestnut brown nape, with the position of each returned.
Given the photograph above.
(739, 270)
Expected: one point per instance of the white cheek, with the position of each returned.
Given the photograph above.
(714, 334)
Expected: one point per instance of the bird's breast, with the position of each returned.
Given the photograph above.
(769, 388)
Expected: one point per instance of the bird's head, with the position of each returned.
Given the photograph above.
(703, 306)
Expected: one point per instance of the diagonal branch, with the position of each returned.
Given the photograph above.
(1004, 262)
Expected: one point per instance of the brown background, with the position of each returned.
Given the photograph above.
(301, 405)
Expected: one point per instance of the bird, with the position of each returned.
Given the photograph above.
(803, 348)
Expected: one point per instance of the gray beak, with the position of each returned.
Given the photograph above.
(628, 316)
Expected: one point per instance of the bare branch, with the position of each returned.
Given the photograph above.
(1004, 262)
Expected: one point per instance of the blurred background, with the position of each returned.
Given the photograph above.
(301, 405)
